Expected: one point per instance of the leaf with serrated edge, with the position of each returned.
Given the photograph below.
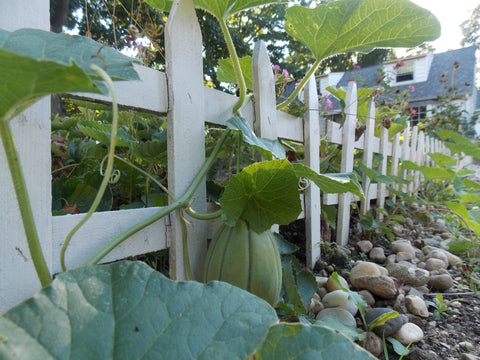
(160, 5)
(223, 9)
(302, 341)
(126, 310)
(263, 194)
(361, 25)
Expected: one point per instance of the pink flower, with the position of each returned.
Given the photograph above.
(285, 72)
(411, 87)
(329, 104)
(399, 64)
(296, 84)
(276, 67)
(356, 66)
(413, 112)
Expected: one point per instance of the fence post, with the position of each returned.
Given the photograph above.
(368, 138)
(420, 157)
(381, 187)
(405, 156)
(396, 153)
(31, 131)
(265, 102)
(311, 135)
(263, 93)
(186, 131)
(413, 157)
(348, 148)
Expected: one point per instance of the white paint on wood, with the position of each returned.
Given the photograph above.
(186, 129)
(31, 132)
(413, 157)
(420, 157)
(382, 168)
(396, 154)
(343, 218)
(101, 228)
(312, 160)
(263, 93)
(131, 94)
(405, 155)
(368, 135)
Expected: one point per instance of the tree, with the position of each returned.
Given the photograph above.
(471, 29)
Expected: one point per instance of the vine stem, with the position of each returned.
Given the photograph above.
(300, 86)
(236, 67)
(182, 202)
(108, 170)
(24, 205)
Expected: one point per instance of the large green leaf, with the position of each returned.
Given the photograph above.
(226, 73)
(267, 147)
(35, 63)
(437, 173)
(223, 9)
(263, 194)
(160, 5)
(126, 310)
(361, 25)
(300, 341)
(462, 211)
(330, 183)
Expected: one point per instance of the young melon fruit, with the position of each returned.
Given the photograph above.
(244, 258)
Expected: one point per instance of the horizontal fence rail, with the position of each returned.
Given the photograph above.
(180, 95)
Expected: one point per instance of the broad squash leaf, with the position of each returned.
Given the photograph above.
(223, 9)
(301, 341)
(226, 73)
(126, 310)
(360, 25)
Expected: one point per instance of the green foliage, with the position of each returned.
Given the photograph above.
(127, 310)
(302, 341)
(226, 72)
(440, 306)
(334, 28)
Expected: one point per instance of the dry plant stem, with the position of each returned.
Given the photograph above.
(108, 170)
(24, 205)
(182, 202)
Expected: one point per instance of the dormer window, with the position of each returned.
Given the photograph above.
(404, 73)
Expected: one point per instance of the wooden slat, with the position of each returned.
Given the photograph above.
(312, 159)
(368, 136)
(382, 168)
(101, 228)
(131, 94)
(31, 132)
(186, 131)
(348, 150)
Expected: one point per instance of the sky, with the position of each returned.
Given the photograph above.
(450, 13)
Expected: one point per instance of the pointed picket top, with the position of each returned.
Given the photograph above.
(311, 134)
(263, 92)
(185, 129)
(368, 139)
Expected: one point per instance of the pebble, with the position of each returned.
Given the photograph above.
(321, 281)
(331, 285)
(315, 306)
(377, 254)
(452, 259)
(342, 315)
(404, 256)
(469, 357)
(365, 246)
(440, 282)
(363, 268)
(409, 274)
(435, 264)
(382, 286)
(466, 345)
(367, 296)
(391, 259)
(391, 326)
(416, 306)
(403, 246)
(372, 343)
(409, 333)
(339, 298)
(439, 225)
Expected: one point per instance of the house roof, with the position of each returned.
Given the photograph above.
(429, 90)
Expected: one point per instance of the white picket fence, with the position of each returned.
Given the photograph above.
(180, 94)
